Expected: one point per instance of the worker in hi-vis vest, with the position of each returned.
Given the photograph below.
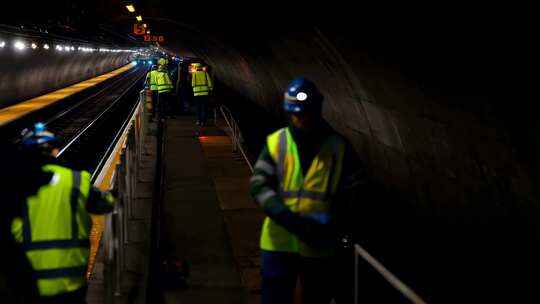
(202, 89)
(54, 224)
(182, 86)
(304, 173)
(151, 84)
(165, 89)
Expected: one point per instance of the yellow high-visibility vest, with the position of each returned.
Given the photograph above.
(54, 230)
(163, 80)
(152, 80)
(201, 83)
(309, 195)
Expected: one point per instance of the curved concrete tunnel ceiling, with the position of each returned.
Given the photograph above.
(429, 102)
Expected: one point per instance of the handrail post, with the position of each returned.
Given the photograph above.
(356, 258)
(234, 131)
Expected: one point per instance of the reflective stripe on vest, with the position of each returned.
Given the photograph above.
(310, 195)
(54, 231)
(77, 271)
(305, 194)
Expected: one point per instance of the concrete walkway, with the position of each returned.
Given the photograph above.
(243, 219)
(193, 223)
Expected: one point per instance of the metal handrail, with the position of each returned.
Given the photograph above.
(236, 134)
(405, 290)
(119, 134)
(127, 143)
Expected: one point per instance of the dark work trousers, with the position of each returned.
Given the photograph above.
(183, 101)
(154, 103)
(164, 104)
(201, 103)
(74, 297)
(179, 102)
(280, 271)
(174, 104)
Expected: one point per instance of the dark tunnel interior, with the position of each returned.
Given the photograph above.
(431, 100)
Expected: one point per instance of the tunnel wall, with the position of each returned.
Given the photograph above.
(451, 203)
(432, 148)
(33, 73)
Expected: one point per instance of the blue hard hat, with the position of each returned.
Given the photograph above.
(37, 136)
(302, 95)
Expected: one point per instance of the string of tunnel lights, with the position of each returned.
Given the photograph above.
(21, 45)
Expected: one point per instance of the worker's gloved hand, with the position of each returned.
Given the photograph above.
(315, 234)
(308, 229)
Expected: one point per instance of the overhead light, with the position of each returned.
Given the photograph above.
(130, 8)
(34, 46)
(139, 18)
(59, 48)
(148, 32)
(2, 44)
(144, 25)
(19, 45)
(46, 46)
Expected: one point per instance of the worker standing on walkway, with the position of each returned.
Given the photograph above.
(151, 83)
(202, 89)
(165, 88)
(303, 179)
(54, 224)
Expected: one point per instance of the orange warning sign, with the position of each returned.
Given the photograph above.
(139, 29)
(153, 38)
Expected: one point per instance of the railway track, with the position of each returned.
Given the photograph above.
(87, 124)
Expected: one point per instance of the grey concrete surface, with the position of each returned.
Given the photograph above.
(34, 73)
(192, 226)
(242, 216)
